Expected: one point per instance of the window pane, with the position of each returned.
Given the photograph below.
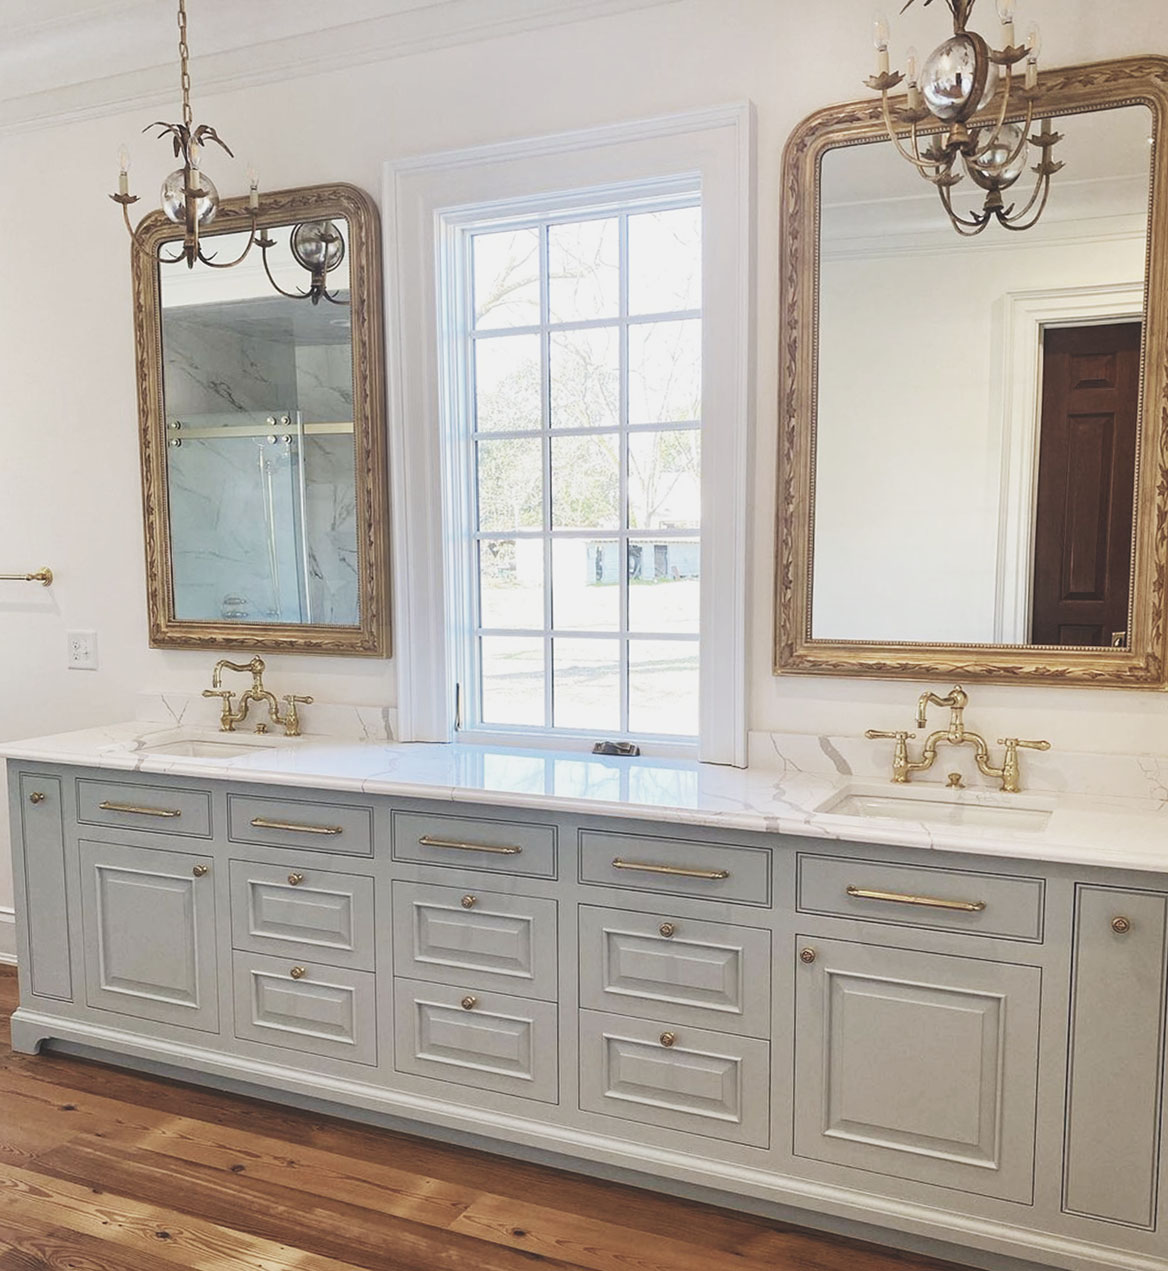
(511, 583)
(665, 480)
(663, 687)
(506, 278)
(586, 584)
(665, 372)
(585, 378)
(586, 684)
(665, 261)
(510, 484)
(584, 271)
(512, 680)
(664, 584)
(586, 482)
(507, 388)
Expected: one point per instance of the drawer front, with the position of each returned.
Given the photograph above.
(125, 805)
(327, 1011)
(700, 1082)
(680, 867)
(495, 1042)
(947, 899)
(490, 939)
(478, 843)
(681, 970)
(41, 858)
(297, 911)
(310, 825)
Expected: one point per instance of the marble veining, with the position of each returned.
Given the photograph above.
(1117, 830)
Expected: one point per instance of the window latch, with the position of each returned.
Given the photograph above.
(616, 748)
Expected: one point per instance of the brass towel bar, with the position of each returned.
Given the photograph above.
(44, 576)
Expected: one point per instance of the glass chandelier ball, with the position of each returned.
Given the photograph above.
(947, 79)
(999, 167)
(318, 245)
(174, 197)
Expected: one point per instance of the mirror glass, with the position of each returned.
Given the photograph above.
(260, 455)
(977, 413)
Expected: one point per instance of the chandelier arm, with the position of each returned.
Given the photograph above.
(291, 295)
(1001, 120)
(966, 228)
(331, 297)
(921, 164)
(1022, 144)
(1013, 222)
(227, 264)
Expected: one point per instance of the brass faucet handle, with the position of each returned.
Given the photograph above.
(226, 723)
(291, 719)
(874, 734)
(1014, 744)
(291, 698)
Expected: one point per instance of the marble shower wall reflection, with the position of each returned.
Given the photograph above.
(261, 465)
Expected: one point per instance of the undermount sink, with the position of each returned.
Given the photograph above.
(974, 809)
(197, 743)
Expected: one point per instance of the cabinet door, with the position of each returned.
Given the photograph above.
(1116, 1056)
(149, 920)
(917, 1065)
(45, 912)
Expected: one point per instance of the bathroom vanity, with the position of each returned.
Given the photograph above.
(946, 1022)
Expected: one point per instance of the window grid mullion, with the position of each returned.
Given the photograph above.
(549, 700)
(623, 553)
(589, 324)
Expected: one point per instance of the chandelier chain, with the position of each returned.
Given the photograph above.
(184, 55)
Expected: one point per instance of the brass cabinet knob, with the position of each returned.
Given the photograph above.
(807, 955)
(667, 1039)
(1121, 926)
(297, 973)
(469, 1003)
(201, 871)
(37, 796)
(294, 880)
(667, 929)
(469, 902)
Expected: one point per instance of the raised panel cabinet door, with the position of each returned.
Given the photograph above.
(149, 920)
(917, 1065)
(45, 911)
(1116, 1056)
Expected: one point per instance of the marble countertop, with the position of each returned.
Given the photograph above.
(1129, 831)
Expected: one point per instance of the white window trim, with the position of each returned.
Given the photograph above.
(717, 145)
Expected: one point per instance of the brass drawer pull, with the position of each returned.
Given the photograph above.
(37, 796)
(297, 973)
(294, 880)
(668, 930)
(201, 871)
(674, 871)
(469, 902)
(262, 823)
(428, 841)
(469, 1003)
(108, 806)
(668, 1039)
(929, 902)
(1121, 926)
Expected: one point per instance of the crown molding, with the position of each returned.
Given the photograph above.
(112, 32)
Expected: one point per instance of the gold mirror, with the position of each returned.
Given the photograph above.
(261, 408)
(973, 467)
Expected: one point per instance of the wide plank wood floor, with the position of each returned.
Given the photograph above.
(103, 1170)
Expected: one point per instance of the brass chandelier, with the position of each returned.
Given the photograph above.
(959, 79)
(189, 198)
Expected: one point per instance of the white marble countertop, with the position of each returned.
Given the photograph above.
(1115, 831)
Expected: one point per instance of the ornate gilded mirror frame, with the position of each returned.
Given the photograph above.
(1097, 86)
(370, 637)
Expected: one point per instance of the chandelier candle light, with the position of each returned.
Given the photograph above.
(959, 79)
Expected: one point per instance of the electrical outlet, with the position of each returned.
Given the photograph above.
(81, 651)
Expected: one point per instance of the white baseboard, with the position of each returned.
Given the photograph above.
(8, 936)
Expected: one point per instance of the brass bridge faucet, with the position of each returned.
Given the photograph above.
(956, 734)
(256, 692)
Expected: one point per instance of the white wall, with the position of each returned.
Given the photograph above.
(69, 489)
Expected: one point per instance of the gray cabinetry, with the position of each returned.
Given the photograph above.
(149, 922)
(40, 833)
(1116, 1057)
(917, 1065)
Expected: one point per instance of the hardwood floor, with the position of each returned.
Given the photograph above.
(102, 1170)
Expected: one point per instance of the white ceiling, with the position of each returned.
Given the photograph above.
(69, 59)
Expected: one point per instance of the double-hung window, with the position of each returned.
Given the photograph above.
(579, 355)
(570, 323)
